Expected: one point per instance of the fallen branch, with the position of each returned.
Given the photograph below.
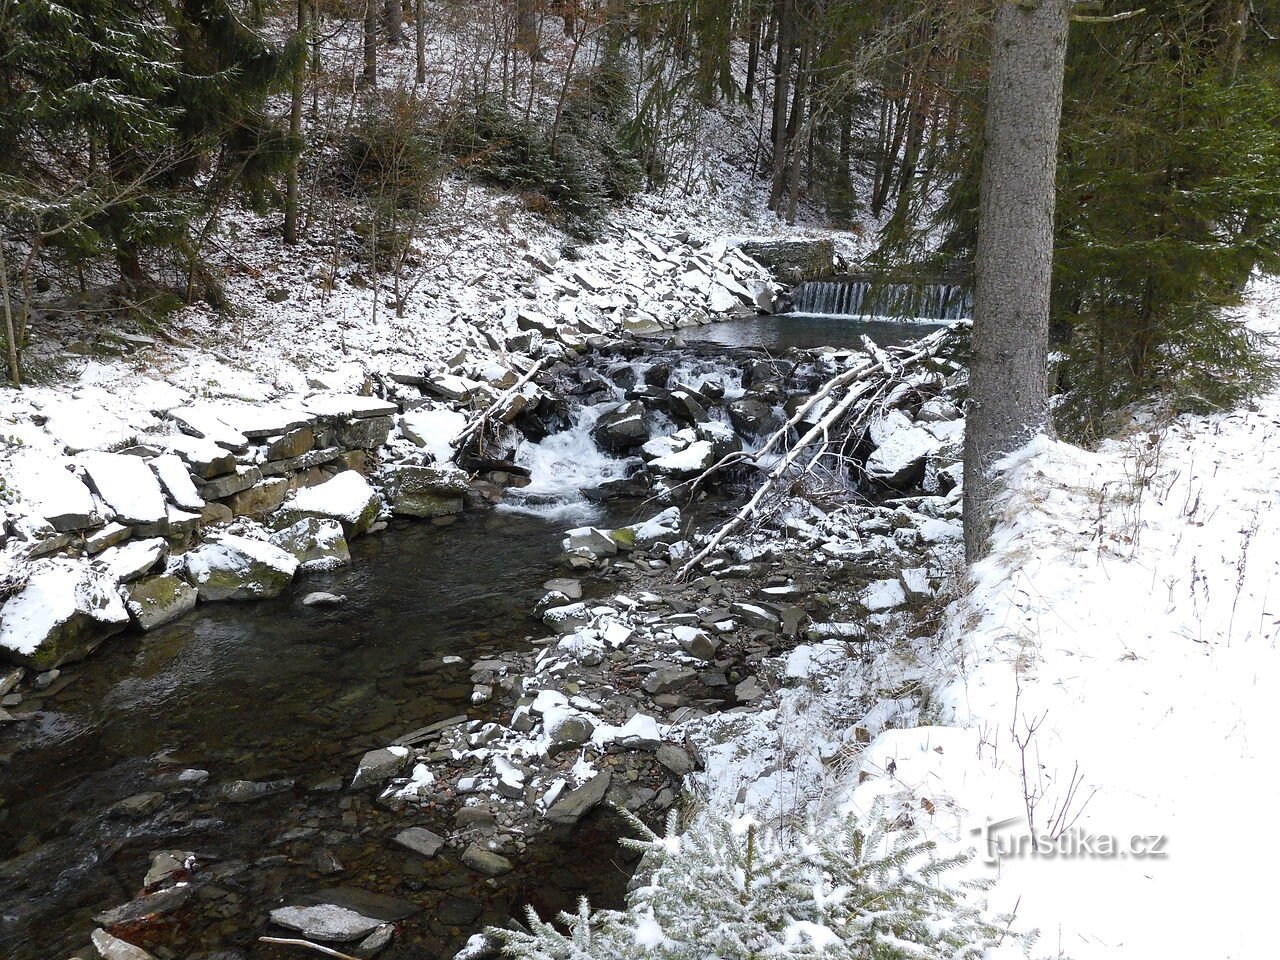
(476, 426)
(859, 375)
(307, 944)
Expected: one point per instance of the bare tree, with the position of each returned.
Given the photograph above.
(1014, 256)
(295, 133)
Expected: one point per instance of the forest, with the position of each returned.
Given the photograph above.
(638, 479)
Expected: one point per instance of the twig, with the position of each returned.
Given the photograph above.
(307, 944)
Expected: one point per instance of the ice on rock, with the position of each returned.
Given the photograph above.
(127, 485)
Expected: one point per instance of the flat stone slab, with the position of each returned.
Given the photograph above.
(420, 840)
(126, 484)
(348, 406)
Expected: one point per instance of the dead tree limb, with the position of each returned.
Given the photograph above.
(860, 383)
(476, 426)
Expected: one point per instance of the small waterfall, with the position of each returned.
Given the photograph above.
(861, 298)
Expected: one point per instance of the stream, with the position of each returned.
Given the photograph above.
(273, 691)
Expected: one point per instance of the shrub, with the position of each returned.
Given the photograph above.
(842, 888)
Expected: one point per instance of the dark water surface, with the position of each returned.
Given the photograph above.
(271, 690)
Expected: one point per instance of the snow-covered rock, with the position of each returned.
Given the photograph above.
(341, 406)
(430, 491)
(433, 429)
(237, 568)
(902, 450)
(131, 560)
(51, 490)
(127, 485)
(692, 460)
(347, 498)
(176, 480)
(65, 610)
(316, 543)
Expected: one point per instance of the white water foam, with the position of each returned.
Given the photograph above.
(562, 465)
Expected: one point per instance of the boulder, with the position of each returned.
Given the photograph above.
(899, 461)
(316, 544)
(53, 492)
(158, 600)
(175, 478)
(113, 948)
(362, 433)
(572, 806)
(486, 861)
(567, 618)
(62, 613)
(260, 499)
(348, 406)
(420, 840)
(131, 560)
(430, 491)
(292, 444)
(127, 485)
(242, 478)
(589, 543)
(347, 498)
(686, 407)
(751, 416)
(379, 766)
(237, 568)
(622, 428)
(326, 921)
(689, 462)
(204, 458)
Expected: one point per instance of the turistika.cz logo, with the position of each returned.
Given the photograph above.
(997, 842)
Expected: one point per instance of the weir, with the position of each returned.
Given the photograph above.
(862, 297)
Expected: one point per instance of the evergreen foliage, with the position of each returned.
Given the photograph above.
(852, 887)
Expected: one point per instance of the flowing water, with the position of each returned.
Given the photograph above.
(272, 690)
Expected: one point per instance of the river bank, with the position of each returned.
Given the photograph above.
(212, 796)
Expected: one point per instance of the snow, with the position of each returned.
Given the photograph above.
(127, 484)
(57, 590)
(694, 458)
(345, 497)
(176, 481)
(49, 487)
(346, 406)
(435, 427)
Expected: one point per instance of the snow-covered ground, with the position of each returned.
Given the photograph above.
(1109, 680)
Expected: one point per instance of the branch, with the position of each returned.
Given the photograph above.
(307, 944)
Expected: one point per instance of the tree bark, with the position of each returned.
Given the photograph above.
(393, 21)
(370, 76)
(420, 40)
(781, 90)
(295, 134)
(1014, 256)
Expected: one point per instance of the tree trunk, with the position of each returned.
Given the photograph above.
(527, 38)
(295, 134)
(10, 328)
(781, 89)
(393, 21)
(1014, 256)
(370, 76)
(420, 39)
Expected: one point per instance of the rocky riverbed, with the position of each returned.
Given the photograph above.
(460, 807)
